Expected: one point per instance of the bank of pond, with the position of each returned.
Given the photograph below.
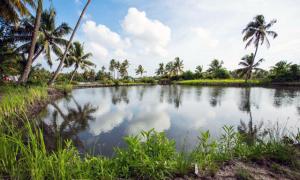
(150, 132)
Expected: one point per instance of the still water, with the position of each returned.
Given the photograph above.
(97, 119)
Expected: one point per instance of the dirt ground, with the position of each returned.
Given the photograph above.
(237, 170)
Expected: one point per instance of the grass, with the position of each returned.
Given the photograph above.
(221, 82)
(16, 99)
(149, 155)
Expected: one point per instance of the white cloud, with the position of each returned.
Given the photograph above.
(151, 33)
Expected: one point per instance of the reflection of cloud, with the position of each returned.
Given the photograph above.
(107, 122)
(148, 118)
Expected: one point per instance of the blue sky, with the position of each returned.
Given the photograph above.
(148, 32)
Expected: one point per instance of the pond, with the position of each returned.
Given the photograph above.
(97, 119)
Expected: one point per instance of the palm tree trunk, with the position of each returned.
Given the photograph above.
(73, 73)
(250, 71)
(69, 44)
(37, 23)
(37, 55)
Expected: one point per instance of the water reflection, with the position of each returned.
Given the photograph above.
(179, 111)
(119, 94)
(216, 95)
(66, 126)
(285, 96)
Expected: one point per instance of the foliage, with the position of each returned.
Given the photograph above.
(248, 66)
(18, 99)
(284, 71)
(217, 71)
(222, 82)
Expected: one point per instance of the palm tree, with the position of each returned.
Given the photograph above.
(161, 70)
(256, 32)
(169, 70)
(112, 66)
(24, 76)
(215, 65)
(248, 66)
(178, 66)
(199, 69)
(140, 70)
(117, 67)
(50, 37)
(12, 10)
(78, 58)
(123, 68)
(69, 44)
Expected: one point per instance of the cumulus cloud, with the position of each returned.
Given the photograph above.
(151, 33)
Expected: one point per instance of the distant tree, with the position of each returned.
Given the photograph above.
(78, 58)
(198, 71)
(169, 70)
(248, 66)
(112, 67)
(285, 71)
(140, 70)
(216, 70)
(124, 68)
(178, 66)
(161, 70)
(117, 67)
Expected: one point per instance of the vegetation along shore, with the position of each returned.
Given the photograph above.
(43, 59)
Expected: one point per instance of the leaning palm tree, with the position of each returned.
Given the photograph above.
(248, 66)
(37, 23)
(161, 70)
(140, 70)
(68, 45)
(12, 10)
(78, 58)
(50, 37)
(257, 32)
(178, 66)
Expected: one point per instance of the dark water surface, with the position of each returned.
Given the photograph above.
(97, 119)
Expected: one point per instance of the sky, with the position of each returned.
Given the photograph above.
(149, 32)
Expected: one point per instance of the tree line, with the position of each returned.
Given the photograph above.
(24, 38)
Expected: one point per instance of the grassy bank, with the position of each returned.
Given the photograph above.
(20, 99)
(150, 155)
(221, 82)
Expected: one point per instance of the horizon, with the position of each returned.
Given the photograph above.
(149, 33)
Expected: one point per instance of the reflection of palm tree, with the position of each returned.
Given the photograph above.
(142, 92)
(74, 121)
(216, 95)
(284, 96)
(250, 133)
(119, 94)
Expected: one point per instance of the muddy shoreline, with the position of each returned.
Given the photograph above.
(53, 95)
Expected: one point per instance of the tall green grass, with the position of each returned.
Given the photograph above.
(149, 155)
(16, 99)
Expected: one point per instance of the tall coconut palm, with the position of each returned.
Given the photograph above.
(37, 23)
(50, 38)
(68, 45)
(178, 66)
(78, 58)
(11, 10)
(248, 66)
(161, 69)
(140, 70)
(257, 32)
